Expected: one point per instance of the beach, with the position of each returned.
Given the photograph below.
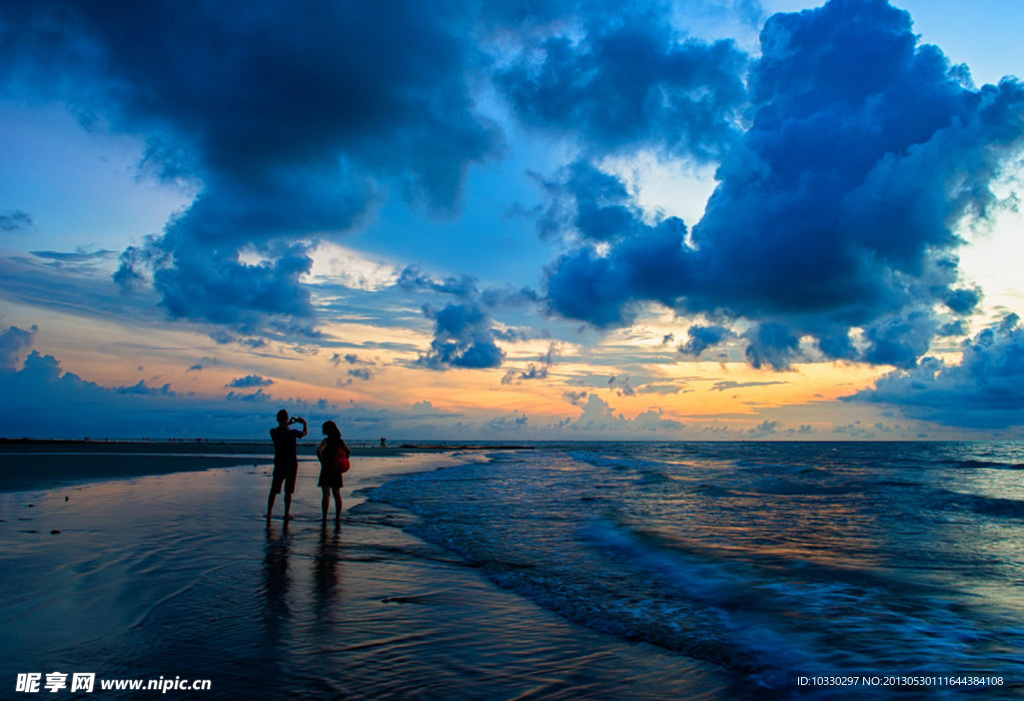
(177, 576)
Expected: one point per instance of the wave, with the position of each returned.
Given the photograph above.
(676, 555)
(980, 504)
(986, 464)
(768, 622)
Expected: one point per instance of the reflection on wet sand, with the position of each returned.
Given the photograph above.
(326, 574)
(276, 582)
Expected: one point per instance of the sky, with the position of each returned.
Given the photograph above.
(522, 220)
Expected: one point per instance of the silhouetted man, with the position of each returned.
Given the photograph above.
(286, 464)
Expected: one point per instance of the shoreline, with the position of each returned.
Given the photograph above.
(30, 464)
(249, 447)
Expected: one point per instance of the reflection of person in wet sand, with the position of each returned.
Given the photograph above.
(330, 451)
(286, 464)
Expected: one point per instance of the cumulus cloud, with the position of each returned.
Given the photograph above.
(250, 381)
(142, 388)
(513, 422)
(627, 79)
(463, 338)
(600, 418)
(13, 342)
(836, 210)
(984, 390)
(286, 119)
(703, 337)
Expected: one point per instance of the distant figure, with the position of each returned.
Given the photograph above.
(286, 464)
(330, 467)
(383, 442)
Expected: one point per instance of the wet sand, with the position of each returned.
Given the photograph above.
(32, 464)
(179, 575)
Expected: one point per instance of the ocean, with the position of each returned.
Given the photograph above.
(566, 571)
(773, 560)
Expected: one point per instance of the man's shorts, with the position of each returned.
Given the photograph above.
(287, 477)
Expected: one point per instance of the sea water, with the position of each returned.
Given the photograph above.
(778, 561)
(718, 571)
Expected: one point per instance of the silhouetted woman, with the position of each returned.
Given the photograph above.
(330, 468)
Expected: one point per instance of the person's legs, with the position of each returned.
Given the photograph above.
(289, 487)
(326, 501)
(337, 503)
(275, 489)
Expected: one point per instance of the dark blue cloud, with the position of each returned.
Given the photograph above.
(289, 118)
(250, 381)
(900, 341)
(984, 390)
(79, 256)
(771, 344)
(836, 209)
(14, 220)
(141, 388)
(645, 264)
(463, 338)
(13, 342)
(415, 280)
(630, 81)
(703, 337)
(590, 203)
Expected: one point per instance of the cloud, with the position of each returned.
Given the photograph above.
(724, 385)
(836, 210)
(78, 257)
(257, 396)
(203, 363)
(984, 390)
(141, 388)
(532, 372)
(659, 389)
(289, 121)
(463, 338)
(576, 398)
(703, 337)
(14, 221)
(771, 344)
(250, 381)
(627, 79)
(13, 342)
(622, 385)
(512, 422)
(765, 428)
(413, 279)
(600, 418)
